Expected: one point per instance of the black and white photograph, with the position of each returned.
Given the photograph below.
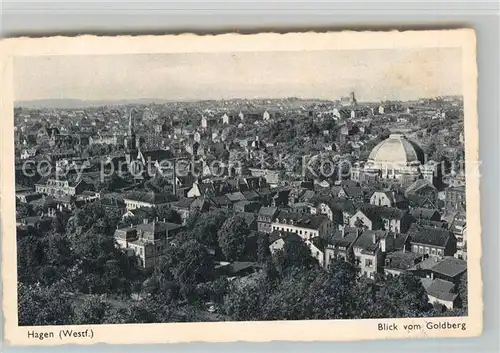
(233, 185)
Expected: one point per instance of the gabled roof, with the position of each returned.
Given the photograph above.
(370, 213)
(320, 243)
(249, 217)
(390, 212)
(154, 198)
(424, 213)
(420, 201)
(429, 236)
(402, 260)
(157, 227)
(142, 212)
(337, 203)
(236, 196)
(439, 289)
(354, 191)
(450, 266)
(302, 220)
(221, 200)
(250, 195)
(184, 202)
(157, 155)
(286, 236)
(381, 211)
(267, 211)
(343, 238)
(417, 185)
(365, 240)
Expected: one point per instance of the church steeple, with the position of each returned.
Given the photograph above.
(131, 137)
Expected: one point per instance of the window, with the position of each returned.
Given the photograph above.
(415, 248)
(368, 263)
(421, 249)
(433, 251)
(439, 252)
(427, 250)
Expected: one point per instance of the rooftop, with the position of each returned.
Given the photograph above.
(300, 219)
(343, 238)
(425, 213)
(157, 227)
(365, 240)
(440, 289)
(401, 260)
(154, 198)
(267, 211)
(450, 267)
(429, 236)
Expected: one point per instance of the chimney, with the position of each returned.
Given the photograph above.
(374, 238)
(343, 232)
(382, 245)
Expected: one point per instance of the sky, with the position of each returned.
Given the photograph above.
(374, 75)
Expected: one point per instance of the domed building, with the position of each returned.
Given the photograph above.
(396, 158)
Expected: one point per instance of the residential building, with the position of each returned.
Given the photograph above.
(459, 229)
(277, 240)
(317, 246)
(306, 226)
(425, 214)
(340, 245)
(187, 206)
(394, 219)
(59, 188)
(388, 199)
(455, 199)
(399, 262)
(147, 241)
(265, 218)
(366, 218)
(147, 199)
(369, 252)
(441, 292)
(449, 269)
(432, 241)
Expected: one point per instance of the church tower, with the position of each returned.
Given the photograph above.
(131, 130)
(132, 142)
(352, 99)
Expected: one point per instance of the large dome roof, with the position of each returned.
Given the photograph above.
(396, 149)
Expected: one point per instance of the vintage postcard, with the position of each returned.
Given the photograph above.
(190, 188)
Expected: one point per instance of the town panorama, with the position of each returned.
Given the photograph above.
(240, 210)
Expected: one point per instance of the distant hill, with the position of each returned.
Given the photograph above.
(81, 104)
(77, 103)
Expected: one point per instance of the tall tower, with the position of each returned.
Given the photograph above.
(131, 137)
(352, 99)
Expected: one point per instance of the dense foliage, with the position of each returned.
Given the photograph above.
(74, 273)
